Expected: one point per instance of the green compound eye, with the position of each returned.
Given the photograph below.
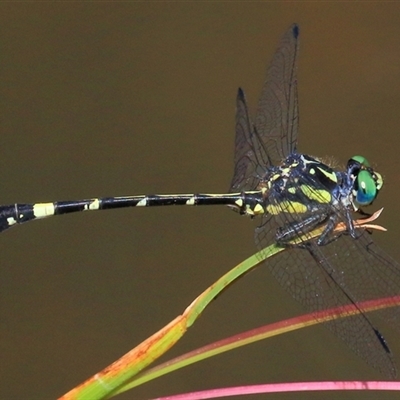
(367, 182)
(361, 160)
(367, 189)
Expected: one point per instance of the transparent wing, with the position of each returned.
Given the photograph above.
(274, 134)
(342, 272)
(369, 273)
(277, 117)
(248, 165)
(345, 271)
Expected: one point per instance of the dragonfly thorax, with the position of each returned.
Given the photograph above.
(304, 182)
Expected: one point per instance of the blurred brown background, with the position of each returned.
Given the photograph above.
(101, 99)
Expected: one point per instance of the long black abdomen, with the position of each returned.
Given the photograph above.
(13, 214)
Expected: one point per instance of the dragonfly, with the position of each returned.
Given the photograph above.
(292, 194)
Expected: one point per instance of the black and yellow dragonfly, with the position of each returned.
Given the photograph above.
(293, 194)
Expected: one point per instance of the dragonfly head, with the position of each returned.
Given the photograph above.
(366, 181)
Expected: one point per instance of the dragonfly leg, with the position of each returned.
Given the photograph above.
(333, 220)
(324, 238)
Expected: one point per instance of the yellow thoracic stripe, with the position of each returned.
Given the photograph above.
(286, 206)
(329, 174)
(319, 195)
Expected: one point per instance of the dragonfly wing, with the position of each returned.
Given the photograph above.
(345, 271)
(320, 286)
(369, 273)
(246, 162)
(277, 117)
(274, 135)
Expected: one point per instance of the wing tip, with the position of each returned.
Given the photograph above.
(295, 30)
(240, 94)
